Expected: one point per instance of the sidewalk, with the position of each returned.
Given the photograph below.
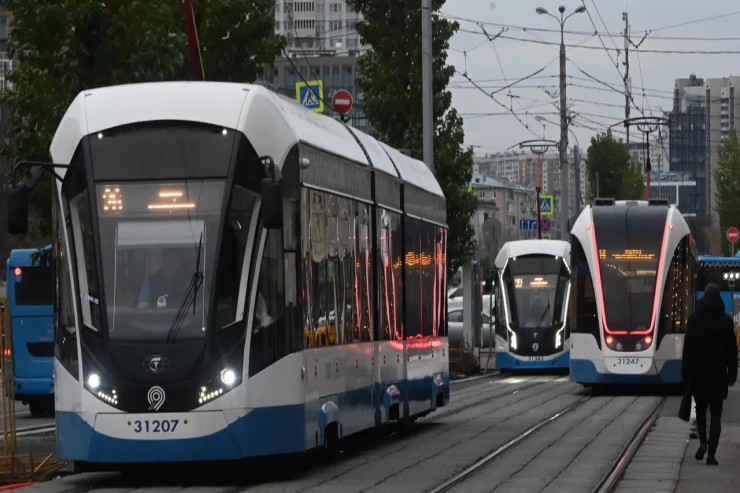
(697, 476)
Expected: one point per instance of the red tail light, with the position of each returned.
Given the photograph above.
(648, 340)
(8, 352)
(609, 340)
(17, 271)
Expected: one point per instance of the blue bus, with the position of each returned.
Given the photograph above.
(725, 272)
(30, 292)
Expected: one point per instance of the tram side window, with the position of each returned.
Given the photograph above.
(270, 342)
(65, 348)
(500, 313)
(440, 280)
(673, 308)
(363, 272)
(88, 280)
(421, 279)
(390, 249)
(584, 318)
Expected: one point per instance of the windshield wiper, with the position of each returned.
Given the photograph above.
(195, 283)
(542, 317)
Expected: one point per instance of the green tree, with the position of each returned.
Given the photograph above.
(727, 183)
(390, 75)
(237, 38)
(618, 176)
(67, 46)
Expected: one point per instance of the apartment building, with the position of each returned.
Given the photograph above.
(319, 26)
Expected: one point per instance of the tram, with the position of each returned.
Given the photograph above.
(634, 269)
(532, 303)
(238, 276)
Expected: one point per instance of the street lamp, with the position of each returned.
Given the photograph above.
(565, 198)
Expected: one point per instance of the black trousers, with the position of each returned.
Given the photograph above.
(715, 426)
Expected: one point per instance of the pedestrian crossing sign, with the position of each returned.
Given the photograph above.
(546, 205)
(311, 95)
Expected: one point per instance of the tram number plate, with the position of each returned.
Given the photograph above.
(627, 361)
(535, 358)
(154, 425)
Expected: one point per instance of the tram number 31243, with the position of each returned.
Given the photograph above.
(155, 425)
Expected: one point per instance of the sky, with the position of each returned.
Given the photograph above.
(490, 127)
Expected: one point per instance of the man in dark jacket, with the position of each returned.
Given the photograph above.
(709, 365)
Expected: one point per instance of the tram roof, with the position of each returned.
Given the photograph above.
(272, 122)
(556, 248)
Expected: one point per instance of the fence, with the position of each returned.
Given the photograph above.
(15, 467)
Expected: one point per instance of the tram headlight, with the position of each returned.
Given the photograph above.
(93, 380)
(228, 377)
(512, 339)
(558, 339)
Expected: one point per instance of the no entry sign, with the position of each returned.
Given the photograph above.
(733, 234)
(342, 101)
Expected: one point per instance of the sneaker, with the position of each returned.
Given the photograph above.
(711, 461)
(700, 453)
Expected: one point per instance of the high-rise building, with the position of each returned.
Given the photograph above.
(688, 143)
(319, 26)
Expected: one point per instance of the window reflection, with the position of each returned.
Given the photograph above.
(362, 273)
(389, 238)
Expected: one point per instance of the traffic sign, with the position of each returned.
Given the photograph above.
(545, 225)
(311, 95)
(342, 101)
(547, 207)
(733, 234)
(528, 225)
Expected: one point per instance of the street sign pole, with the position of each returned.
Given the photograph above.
(538, 188)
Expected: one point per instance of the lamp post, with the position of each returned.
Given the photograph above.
(576, 158)
(563, 147)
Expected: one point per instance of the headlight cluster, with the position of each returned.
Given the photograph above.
(227, 377)
(93, 382)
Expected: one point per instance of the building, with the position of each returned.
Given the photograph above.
(501, 205)
(318, 26)
(688, 141)
(336, 72)
(723, 113)
(639, 151)
(680, 190)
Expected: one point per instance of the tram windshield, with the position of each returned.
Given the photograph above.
(629, 241)
(536, 288)
(157, 252)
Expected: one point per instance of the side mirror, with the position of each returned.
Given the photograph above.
(271, 193)
(18, 209)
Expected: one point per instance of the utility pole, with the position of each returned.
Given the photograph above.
(426, 82)
(626, 62)
(577, 170)
(193, 43)
(563, 147)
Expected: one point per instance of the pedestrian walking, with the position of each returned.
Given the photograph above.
(709, 366)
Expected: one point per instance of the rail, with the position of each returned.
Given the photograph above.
(15, 467)
(609, 483)
(481, 463)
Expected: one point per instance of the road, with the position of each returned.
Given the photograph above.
(541, 434)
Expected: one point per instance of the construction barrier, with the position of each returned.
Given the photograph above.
(16, 470)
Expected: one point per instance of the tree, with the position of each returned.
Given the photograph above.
(727, 183)
(390, 75)
(65, 47)
(618, 176)
(237, 38)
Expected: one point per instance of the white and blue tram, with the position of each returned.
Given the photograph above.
(634, 268)
(238, 276)
(532, 301)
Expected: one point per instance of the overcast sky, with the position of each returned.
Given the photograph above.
(597, 105)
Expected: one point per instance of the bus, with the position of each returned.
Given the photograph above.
(30, 292)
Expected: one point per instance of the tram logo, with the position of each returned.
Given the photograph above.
(535, 347)
(156, 363)
(156, 398)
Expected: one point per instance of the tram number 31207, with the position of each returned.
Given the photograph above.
(155, 425)
(535, 358)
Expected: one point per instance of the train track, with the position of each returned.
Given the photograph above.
(607, 484)
(481, 463)
(611, 480)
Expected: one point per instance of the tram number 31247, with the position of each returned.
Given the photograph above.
(155, 425)
(535, 358)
